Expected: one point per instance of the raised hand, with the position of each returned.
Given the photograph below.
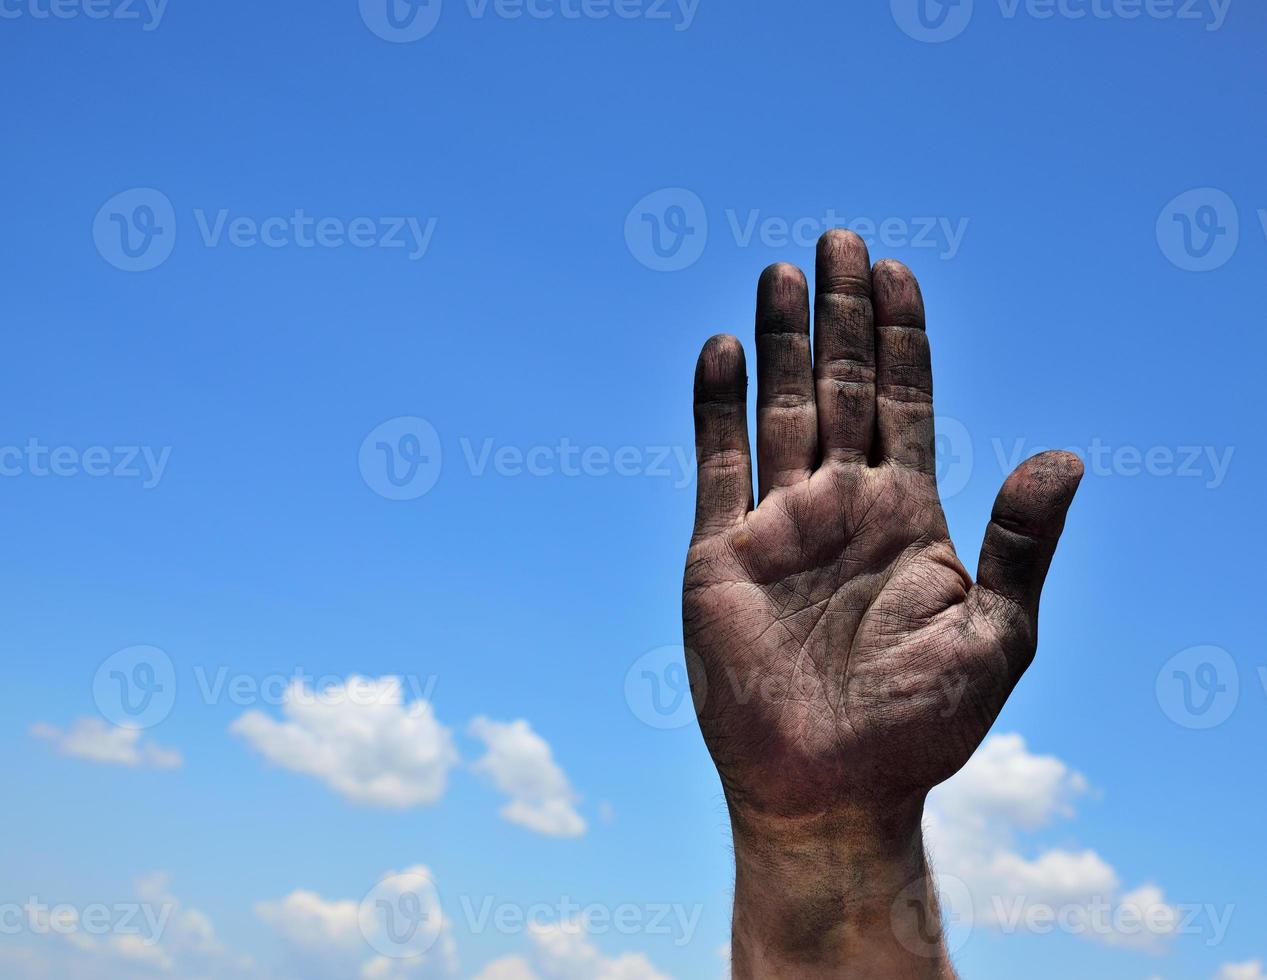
(845, 661)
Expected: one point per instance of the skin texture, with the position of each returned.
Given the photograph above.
(843, 661)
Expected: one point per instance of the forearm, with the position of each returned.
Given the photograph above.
(845, 896)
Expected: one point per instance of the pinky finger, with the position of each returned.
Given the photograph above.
(724, 486)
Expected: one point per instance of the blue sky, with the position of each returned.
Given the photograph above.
(490, 246)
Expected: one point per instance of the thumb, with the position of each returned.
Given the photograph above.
(1029, 514)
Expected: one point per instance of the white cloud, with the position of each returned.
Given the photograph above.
(154, 936)
(507, 968)
(974, 821)
(24, 963)
(1004, 782)
(325, 937)
(520, 764)
(563, 951)
(189, 933)
(360, 738)
(724, 954)
(1253, 970)
(97, 741)
(306, 921)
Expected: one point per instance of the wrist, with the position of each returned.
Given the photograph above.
(840, 894)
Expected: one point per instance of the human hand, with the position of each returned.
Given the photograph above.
(851, 663)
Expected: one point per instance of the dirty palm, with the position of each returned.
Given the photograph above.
(846, 661)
